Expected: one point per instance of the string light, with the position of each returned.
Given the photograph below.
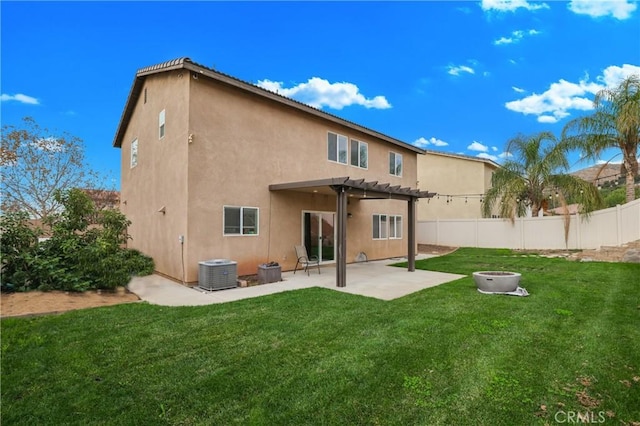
(449, 198)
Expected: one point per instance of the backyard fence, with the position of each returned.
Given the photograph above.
(610, 227)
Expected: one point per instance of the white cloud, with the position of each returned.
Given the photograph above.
(503, 40)
(517, 89)
(516, 36)
(609, 162)
(619, 9)
(477, 146)
(494, 148)
(318, 93)
(563, 96)
(487, 156)
(511, 5)
(19, 97)
(548, 119)
(552, 105)
(613, 75)
(422, 142)
(457, 70)
(505, 155)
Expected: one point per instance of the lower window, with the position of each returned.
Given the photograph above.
(240, 220)
(395, 227)
(380, 226)
(387, 226)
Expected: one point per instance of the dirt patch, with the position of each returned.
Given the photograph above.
(39, 302)
(434, 249)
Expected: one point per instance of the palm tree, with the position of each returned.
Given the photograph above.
(615, 124)
(533, 173)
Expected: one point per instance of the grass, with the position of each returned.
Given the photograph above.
(445, 355)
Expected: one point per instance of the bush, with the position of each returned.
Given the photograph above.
(613, 197)
(79, 255)
(18, 246)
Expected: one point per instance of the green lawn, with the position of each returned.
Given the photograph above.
(446, 355)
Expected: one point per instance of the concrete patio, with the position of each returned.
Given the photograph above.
(371, 279)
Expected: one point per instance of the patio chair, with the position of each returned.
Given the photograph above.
(305, 259)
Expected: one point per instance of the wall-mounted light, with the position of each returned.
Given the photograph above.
(349, 215)
(190, 137)
(162, 210)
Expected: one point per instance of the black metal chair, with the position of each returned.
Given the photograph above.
(305, 259)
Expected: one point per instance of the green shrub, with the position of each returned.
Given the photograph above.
(18, 246)
(77, 257)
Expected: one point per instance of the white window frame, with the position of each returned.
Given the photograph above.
(396, 159)
(395, 227)
(242, 232)
(358, 157)
(382, 228)
(341, 141)
(161, 124)
(134, 153)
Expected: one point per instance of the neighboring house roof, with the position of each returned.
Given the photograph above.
(103, 198)
(187, 64)
(464, 157)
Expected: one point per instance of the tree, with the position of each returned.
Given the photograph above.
(35, 164)
(615, 124)
(532, 174)
(77, 257)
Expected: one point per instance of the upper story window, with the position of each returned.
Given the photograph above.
(161, 125)
(134, 153)
(359, 154)
(395, 164)
(240, 220)
(337, 148)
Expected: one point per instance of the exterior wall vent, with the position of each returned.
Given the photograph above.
(217, 274)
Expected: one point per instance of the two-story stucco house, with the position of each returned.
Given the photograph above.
(461, 180)
(215, 167)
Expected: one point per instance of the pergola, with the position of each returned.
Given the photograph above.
(345, 187)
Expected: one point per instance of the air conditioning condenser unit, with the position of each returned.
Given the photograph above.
(217, 274)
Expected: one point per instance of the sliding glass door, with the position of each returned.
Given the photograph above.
(318, 234)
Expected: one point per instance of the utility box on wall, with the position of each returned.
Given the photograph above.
(217, 274)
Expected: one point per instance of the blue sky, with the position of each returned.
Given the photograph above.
(458, 77)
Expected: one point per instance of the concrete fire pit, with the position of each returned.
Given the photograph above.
(496, 281)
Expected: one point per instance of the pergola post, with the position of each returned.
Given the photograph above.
(341, 214)
(411, 238)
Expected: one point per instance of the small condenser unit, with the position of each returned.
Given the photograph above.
(217, 274)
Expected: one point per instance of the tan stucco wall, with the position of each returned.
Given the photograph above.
(453, 176)
(160, 177)
(240, 144)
